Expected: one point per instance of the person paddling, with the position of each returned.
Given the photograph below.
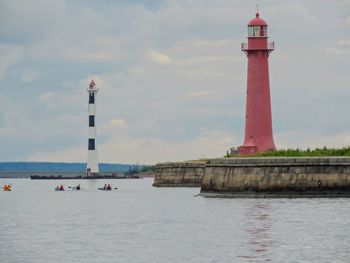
(61, 187)
(7, 187)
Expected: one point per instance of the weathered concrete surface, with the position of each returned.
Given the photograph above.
(277, 177)
(182, 174)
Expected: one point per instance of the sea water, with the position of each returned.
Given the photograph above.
(140, 223)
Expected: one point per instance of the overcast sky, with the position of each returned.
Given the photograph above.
(171, 75)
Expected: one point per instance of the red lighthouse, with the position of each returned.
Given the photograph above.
(258, 122)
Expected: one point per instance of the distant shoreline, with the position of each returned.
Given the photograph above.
(27, 174)
(63, 167)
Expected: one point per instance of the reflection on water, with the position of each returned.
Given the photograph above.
(257, 225)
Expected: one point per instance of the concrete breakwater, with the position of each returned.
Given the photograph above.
(277, 177)
(181, 174)
(262, 177)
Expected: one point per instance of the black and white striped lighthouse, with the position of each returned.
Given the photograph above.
(92, 163)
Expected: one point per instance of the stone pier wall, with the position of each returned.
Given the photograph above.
(182, 174)
(277, 177)
(260, 177)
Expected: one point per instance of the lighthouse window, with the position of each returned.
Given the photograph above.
(263, 31)
(256, 31)
(250, 31)
(92, 98)
(91, 144)
(91, 121)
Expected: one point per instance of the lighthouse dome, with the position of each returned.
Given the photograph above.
(257, 21)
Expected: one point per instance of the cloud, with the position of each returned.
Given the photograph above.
(213, 43)
(123, 149)
(48, 97)
(115, 123)
(207, 59)
(292, 9)
(2, 120)
(10, 55)
(78, 154)
(200, 93)
(161, 58)
(62, 102)
(118, 122)
(27, 22)
(89, 48)
(171, 75)
(345, 43)
(302, 139)
(28, 76)
(342, 48)
(346, 21)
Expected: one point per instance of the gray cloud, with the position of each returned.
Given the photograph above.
(10, 55)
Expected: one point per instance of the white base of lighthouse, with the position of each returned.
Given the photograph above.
(92, 162)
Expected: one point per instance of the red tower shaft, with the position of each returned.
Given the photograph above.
(258, 123)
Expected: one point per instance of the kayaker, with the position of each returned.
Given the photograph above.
(105, 187)
(78, 187)
(7, 187)
(57, 188)
(61, 187)
(109, 187)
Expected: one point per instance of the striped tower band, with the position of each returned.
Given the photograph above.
(92, 162)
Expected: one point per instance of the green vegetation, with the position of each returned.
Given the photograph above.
(147, 168)
(318, 152)
(136, 169)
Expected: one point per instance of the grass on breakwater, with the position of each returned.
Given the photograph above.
(318, 152)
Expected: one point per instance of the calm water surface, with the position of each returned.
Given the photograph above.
(139, 223)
